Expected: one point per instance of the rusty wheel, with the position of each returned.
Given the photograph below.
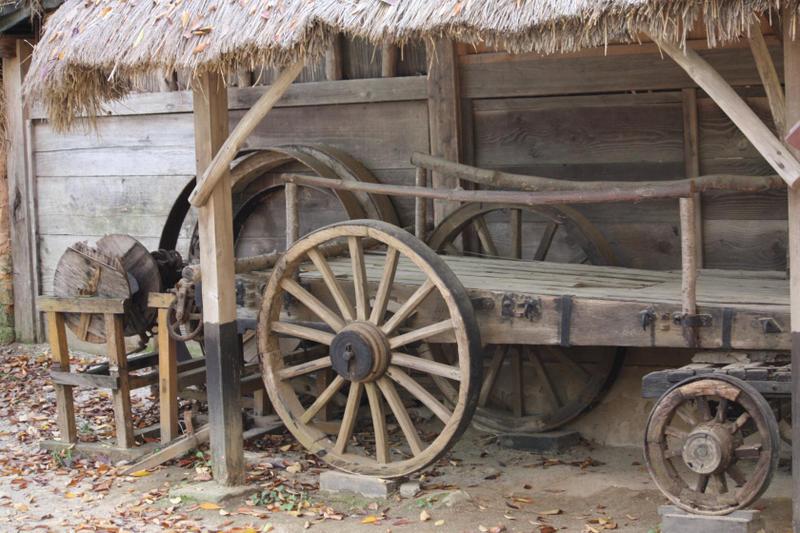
(711, 444)
(530, 388)
(341, 305)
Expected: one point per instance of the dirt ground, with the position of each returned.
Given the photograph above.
(479, 486)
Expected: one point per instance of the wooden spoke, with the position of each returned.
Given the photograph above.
(342, 302)
(323, 399)
(313, 304)
(702, 483)
(302, 332)
(517, 390)
(722, 410)
(704, 409)
(304, 368)
(687, 414)
(421, 334)
(515, 221)
(378, 423)
(546, 242)
(567, 360)
(748, 452)
(359, 277)
(400, 413)
(741, 421)
(426, 365)
(419, 392)
(545, 378)
(482, 229)
(408, 307)
(737, 475)
(384, 287)
(674, 451)
(350, 416)
(491, 375)
(675, 433)
(722, 483)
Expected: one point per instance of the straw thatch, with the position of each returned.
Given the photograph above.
(95, 51)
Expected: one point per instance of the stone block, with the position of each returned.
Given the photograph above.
(366, 486)
(675, 520)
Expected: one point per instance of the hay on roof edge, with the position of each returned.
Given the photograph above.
(92, 53)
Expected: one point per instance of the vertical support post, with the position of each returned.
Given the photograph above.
(444, 117)
(22, 244)
(215, 220)
(292, 215)
(691, 159)
(167, 380)
(390, 55)
(420, 205)
(118, 368)
(333, 59)
(59, 354)
(791, 72)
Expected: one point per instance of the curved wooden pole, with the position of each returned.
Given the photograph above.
(240, 133)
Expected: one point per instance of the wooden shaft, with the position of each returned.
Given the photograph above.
(220, 164)
(770, 148)
(691, 159)
(420, 205)
(522, 182)
(769, 76)
(675, 189)
(292, 214)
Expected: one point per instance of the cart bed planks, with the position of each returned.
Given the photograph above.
(587, 305)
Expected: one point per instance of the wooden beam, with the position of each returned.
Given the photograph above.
(770, 148)
(219, 165)
(444, 117)
(59, 354)
(791, 66)
(215, 222)
(118, 370)
(769, 77)
(87, 305)
(691, 159)
(26, 322)
(167, 379)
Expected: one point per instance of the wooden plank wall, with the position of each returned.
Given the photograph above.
(584, 116)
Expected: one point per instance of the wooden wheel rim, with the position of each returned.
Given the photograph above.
(663, 472)
(464, 327)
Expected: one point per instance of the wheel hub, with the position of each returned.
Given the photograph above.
(360, 352)
(708, 449)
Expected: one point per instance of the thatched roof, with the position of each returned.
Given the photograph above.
(95, 51)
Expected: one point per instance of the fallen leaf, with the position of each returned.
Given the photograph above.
(439, 523)
(295, 468)
(209, 506)
(549, 512)
(200, 47)
(424, 516)
(547, 529)
(140, 473)
(105, 11)
(370, 519)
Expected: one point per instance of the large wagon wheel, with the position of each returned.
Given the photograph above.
(531, 388)
(369, 351)
(711, 444)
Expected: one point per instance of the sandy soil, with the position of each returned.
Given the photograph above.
(490, 488)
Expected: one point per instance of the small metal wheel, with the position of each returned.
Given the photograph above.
(711, 444)
(530, 388)
(320, 299)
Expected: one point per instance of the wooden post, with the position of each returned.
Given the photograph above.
(390, 54)
(59, 353)
(421, 205)
(333, 59)
(691, 159)
(292, 214)
(167, 380)
(215, 221)
(118, 368)
(791, 72)
(444, 116)
(22, 243)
